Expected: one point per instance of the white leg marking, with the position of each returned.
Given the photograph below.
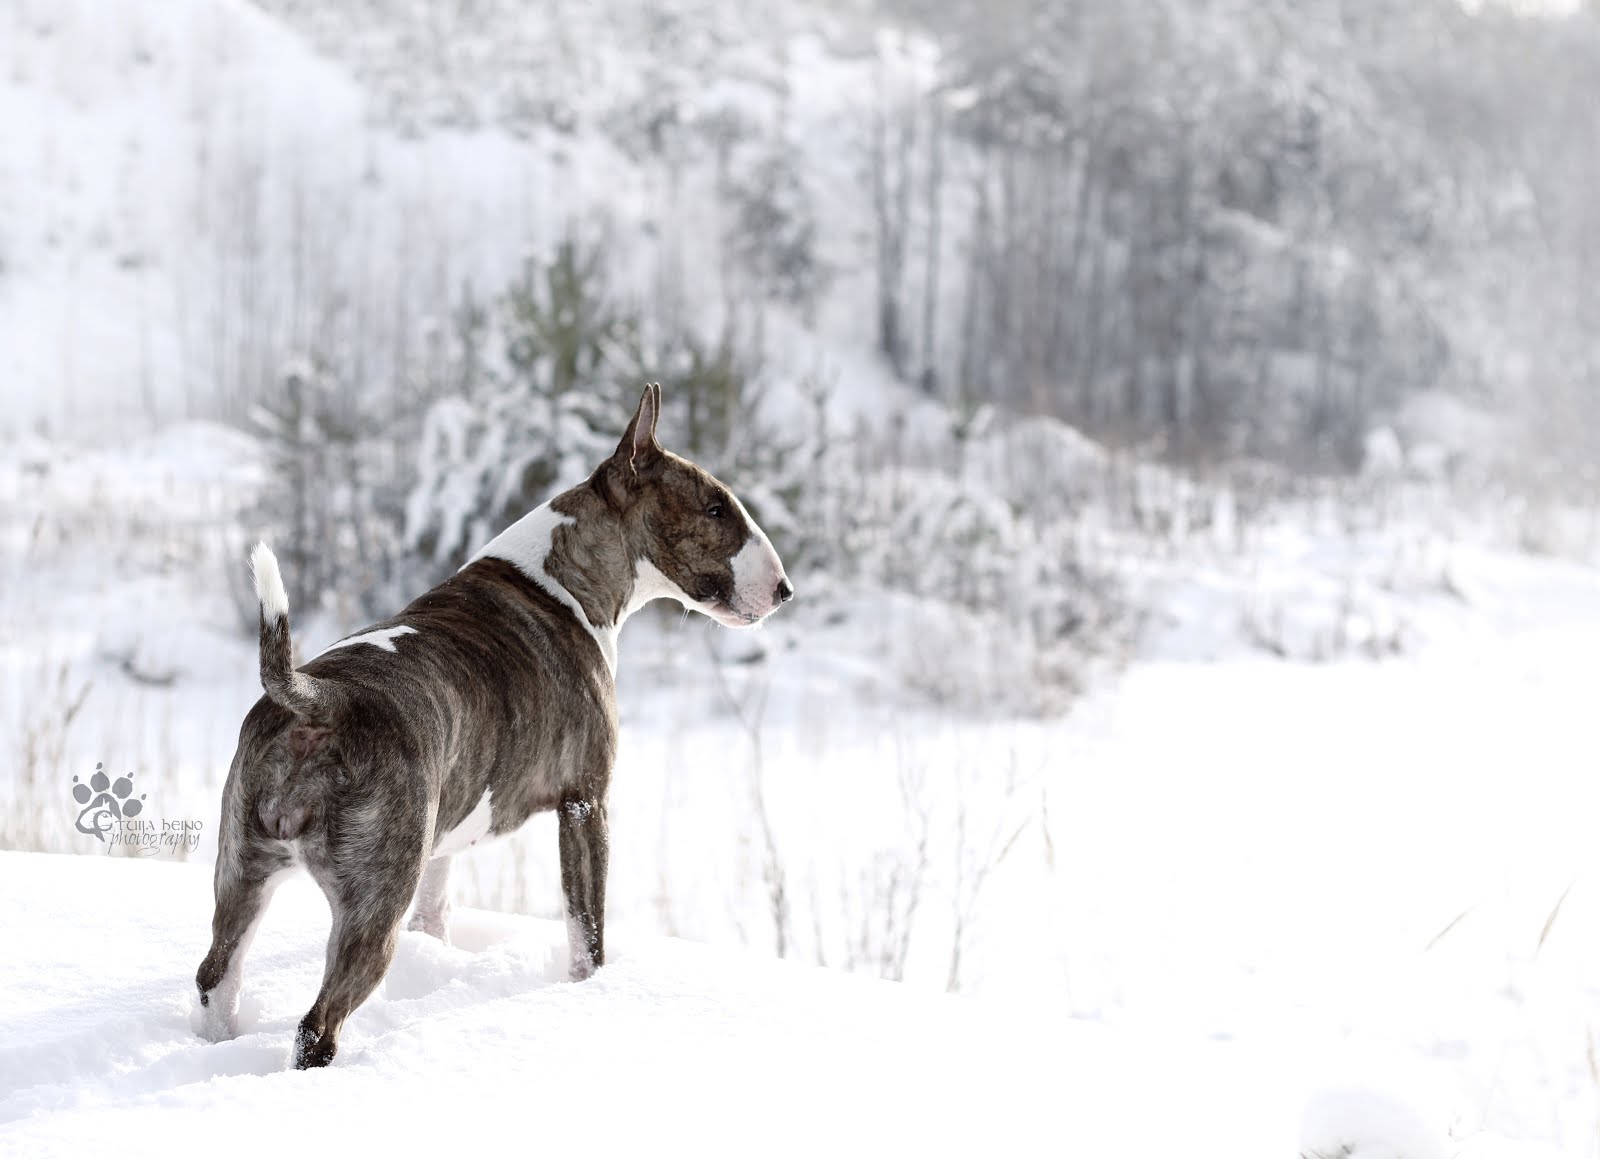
(581, 962)
(432, 911)
(219, 1017)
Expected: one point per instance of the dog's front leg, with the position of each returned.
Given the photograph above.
(431, 913)
(584, 855)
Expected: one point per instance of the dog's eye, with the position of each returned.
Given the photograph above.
(715, 511)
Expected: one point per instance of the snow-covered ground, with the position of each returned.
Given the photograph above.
(1285, 882)
(670, 1047)
(1263, 892)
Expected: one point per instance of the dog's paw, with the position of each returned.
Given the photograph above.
(434, 925)
(313, 1047)
(212, 1020)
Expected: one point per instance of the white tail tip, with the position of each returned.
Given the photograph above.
(269, 582)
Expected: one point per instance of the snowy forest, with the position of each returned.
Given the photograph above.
(1179, 421)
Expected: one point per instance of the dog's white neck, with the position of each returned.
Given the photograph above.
(527, 544)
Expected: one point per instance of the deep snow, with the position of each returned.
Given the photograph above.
(670, 1047)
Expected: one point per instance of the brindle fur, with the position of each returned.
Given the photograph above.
(358, 762)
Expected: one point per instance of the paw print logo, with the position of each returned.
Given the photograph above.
(105, 802)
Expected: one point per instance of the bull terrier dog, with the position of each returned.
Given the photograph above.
(488, 699)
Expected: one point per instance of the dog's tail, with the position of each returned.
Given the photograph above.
(299, 693)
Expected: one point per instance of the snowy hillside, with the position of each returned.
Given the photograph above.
(195, 195)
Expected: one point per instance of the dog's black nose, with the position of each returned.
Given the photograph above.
(785, 592)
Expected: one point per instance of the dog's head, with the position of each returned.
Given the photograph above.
(690, 538)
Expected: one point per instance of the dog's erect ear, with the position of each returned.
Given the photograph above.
(639, 449)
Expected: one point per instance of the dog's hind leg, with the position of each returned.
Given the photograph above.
(368, 906)
(431, 913)
(585, 851)
(246, 876)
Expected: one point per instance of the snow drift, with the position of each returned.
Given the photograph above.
(669, 1046)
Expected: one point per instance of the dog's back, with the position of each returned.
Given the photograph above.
(404, 706)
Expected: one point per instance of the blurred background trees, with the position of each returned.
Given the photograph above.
(873, 249)
(1245, 240)
(1235, 229)
(1207, 229)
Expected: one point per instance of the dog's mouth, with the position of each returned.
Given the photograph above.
(729, 616)
(724, 603)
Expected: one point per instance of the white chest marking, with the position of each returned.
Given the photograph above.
(473, 829)
(383, 637)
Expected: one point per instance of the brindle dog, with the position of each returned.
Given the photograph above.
(488, 699)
